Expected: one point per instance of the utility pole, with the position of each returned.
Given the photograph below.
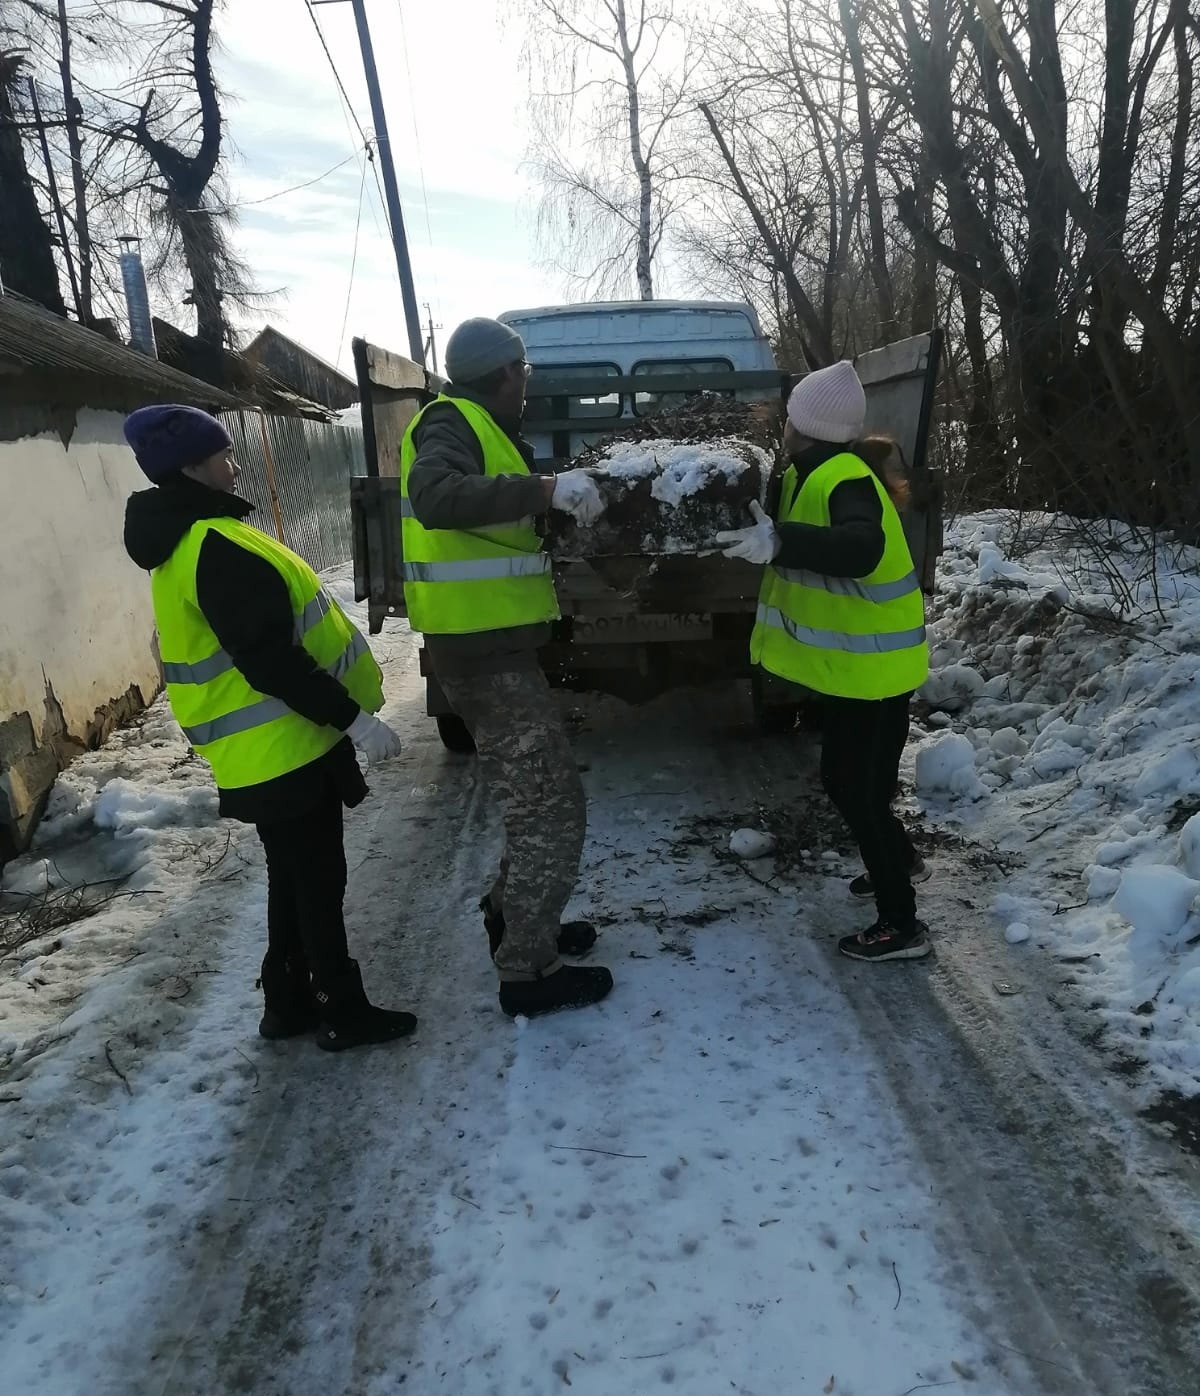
(431, 342)
(55, 201)
(383, 142)
(83, 236)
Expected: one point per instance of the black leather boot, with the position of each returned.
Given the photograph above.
(349, 1019)
(290, 1008)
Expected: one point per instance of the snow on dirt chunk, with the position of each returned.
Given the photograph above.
(681, 469)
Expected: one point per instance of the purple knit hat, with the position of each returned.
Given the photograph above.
(167, 438)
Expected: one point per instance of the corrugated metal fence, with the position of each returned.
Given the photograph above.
(310, 465)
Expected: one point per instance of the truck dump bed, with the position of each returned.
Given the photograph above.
(636, 624)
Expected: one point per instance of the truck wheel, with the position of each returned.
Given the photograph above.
(455, 734)
(770, 719)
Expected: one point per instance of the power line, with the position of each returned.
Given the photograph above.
(412, 107)
(353, 266)
(308, 184)
(367, 141)
(337, 77)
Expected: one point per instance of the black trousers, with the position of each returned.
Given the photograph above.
(306, 884)
(860, 765)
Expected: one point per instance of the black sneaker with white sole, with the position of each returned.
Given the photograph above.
(862, 886)
(572, 986)
(883, 942)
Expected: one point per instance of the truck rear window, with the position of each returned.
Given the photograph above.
(701, 369)
(589, 404)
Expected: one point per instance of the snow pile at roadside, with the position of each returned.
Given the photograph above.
(682, 469)
(126, 828)
(1063, 717)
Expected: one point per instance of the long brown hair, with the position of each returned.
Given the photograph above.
(882, 454)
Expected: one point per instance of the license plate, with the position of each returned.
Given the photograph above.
(637, 629)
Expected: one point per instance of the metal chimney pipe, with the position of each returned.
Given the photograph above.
(137, 297)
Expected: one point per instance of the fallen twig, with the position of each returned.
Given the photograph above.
(458, 1197)
(1032, 1357)
(580, 1149)
(899, 1291)
(762, 882)
(249, 1063)
(211, 864)
(1058, 799)
(927, 1386)
(117, 1069)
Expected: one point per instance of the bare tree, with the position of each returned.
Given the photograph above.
(26, 248)
(178, 129)
(132, 114)
(608, 198)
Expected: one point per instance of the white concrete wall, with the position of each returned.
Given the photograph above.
(75, 612)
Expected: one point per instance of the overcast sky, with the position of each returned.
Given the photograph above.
(471, 229)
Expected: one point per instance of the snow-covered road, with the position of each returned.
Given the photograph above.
(755, 1169)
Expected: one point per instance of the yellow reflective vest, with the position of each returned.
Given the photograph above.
(462, 581)
(246, 736)
(847, 637)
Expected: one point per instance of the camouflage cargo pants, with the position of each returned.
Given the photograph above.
(527, 764)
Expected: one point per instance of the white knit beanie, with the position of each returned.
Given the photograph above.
(829, 405)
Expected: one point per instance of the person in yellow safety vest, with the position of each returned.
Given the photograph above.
(274, 687)
(841, 614)
(479, 587)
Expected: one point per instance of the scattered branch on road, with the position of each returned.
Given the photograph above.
(576, 1149)
(116, 1069)
(458, 1197)
(50, 911)
(1032, 1357)
(899, 1291)
(249, 1063)
(210, 864)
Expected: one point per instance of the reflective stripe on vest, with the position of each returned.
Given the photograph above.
(465, 581)
(839, 639)
(219, 662)
(851, 586)
(843, 636)
(249, 737)
(481, 569)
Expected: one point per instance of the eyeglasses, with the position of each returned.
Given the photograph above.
(526, 368)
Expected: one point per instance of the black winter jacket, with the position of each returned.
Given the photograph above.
(853, 544)
(246, 602)
(448, 489)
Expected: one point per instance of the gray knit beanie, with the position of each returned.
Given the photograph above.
(480, 346)
(829, 405)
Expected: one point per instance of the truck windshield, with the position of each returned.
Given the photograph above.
(589, 404)
(699, 368)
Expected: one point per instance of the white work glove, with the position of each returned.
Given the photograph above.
(575, 493)
(373, 738)
(758, 544)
